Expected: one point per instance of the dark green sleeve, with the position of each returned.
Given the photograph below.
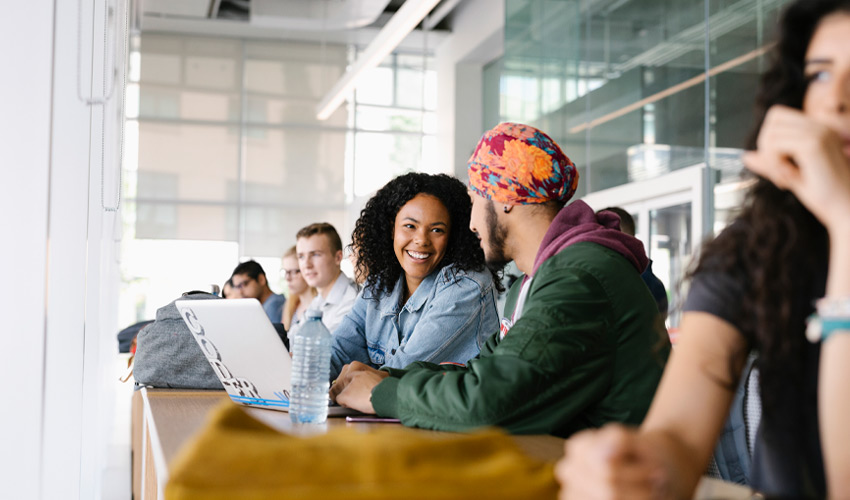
(420, 365)
(383, 395)
(552, 364)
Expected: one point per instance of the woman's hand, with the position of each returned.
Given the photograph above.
(611, 463)
(353, 387)
(807, 158)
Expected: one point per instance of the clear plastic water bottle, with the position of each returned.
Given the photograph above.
(311, 367)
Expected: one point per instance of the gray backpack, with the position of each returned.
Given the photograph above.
(167, 354)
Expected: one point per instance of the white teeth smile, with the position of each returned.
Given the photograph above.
(417, 255)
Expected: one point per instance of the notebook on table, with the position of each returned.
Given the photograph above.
(244, 351)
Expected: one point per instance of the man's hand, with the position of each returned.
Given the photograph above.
(353, 387)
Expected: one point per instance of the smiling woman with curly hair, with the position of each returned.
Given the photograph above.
(428, 295)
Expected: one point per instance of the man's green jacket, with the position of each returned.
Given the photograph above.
(588, 349)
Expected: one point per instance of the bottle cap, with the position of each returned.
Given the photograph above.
(313, 314)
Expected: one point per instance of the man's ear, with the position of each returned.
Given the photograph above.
(261, 279)
(338, 257)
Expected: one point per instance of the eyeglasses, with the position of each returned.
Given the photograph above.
(290, 273)
(240, 286)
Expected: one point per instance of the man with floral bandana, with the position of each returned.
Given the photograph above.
(582, 343)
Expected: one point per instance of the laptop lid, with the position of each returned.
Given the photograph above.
(245, 352)
(243, 349)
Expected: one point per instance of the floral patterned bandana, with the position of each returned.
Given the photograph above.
(519, 164)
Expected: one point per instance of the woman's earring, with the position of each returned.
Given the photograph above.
(506, 209)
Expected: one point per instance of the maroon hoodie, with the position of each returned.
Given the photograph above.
(577, 222)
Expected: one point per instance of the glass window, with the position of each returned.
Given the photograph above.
(385, 119)
(376, 86)
(271, 230)
(378, 157)
(394, 130)
(670, 250)
(295, 167)
(630, 74)
(187, 162)
(224, 151)
(155, 272)
(635, 89)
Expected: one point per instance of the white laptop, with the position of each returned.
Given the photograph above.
(244, 351)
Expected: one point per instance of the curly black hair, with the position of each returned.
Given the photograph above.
(776, 248)
(372, 240)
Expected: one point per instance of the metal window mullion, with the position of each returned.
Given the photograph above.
(242, 166)
(395, 78)
(354, 132)
(403, 108)
(274, 126)
(226, 204)
(707, 208)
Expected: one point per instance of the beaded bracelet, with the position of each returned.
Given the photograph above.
(833, 316)
(833, 307)
(818, 328)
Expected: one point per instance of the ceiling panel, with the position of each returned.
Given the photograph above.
(181, 8)
(316, 14)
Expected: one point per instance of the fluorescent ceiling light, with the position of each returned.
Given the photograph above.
(399, 26)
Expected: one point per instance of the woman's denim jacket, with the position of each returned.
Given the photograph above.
(447, 319)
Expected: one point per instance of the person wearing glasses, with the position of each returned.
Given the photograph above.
(249, 281)
(300, 293)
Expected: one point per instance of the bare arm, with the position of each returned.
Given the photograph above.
(694, 396)
(667, 455)
(834, 396)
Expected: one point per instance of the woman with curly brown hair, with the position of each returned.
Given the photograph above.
(427, 294)
(780, 271)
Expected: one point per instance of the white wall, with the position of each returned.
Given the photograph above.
(477, 38)
(25, 102)
(56, 343)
